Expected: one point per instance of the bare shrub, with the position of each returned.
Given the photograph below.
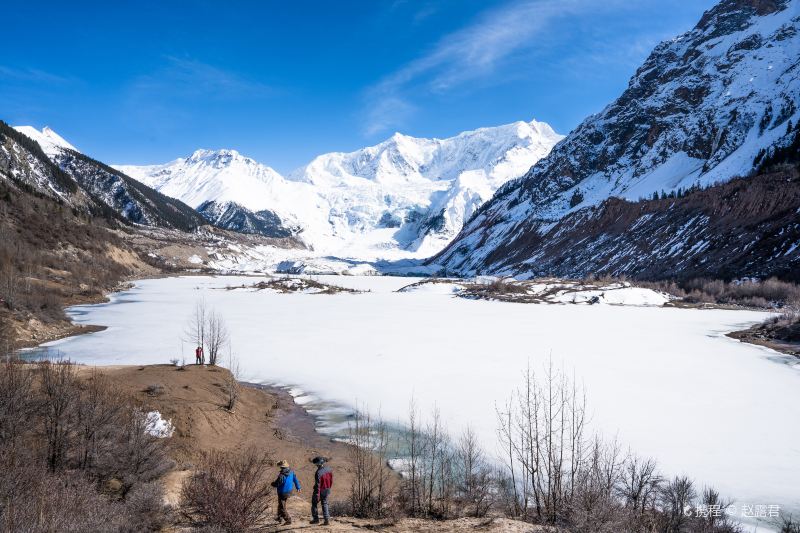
(137, 457)
(676, 498)
(6, 337)
(788, 524)
(412, 486)
(593, 506)
(371, 489)
(145, 509)
(16, 401)
(543, 433)
(32, 499)
(768, 293)
(59, 385)
(437, 465)
(638, 485)
(717, 520)
(98, 418)
(475, 484)
(229, 491)
(232, 382)
(154, 389)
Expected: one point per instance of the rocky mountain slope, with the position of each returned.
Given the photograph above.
(72, 228)
(403, 197)
(90, 185)
(700, 110)
(58, 245)
(745, 227)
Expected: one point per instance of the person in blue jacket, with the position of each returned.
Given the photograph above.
(286, 483)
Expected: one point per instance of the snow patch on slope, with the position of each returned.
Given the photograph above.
(51, 142)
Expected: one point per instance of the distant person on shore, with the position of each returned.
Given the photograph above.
(323, 482)
(285, 484)
(198, 355)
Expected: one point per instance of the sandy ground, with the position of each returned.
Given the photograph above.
(267, 418)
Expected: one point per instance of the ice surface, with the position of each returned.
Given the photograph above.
(666, 381)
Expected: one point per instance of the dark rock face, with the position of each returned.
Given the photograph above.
(696, 112)
(125, 197)
(232, 216)
(746, 227)
(87, 186)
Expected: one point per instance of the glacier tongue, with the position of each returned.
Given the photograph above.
(405, 197)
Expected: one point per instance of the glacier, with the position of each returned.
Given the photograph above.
(406, 197)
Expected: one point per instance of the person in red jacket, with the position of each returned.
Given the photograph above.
(198, 355)
(323, 482)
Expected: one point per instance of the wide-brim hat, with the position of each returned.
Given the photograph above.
(318, 460)
(283, 464)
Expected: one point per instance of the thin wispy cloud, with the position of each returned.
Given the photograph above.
(466, 54)
(475, 54)
(387, 112)
(32, 75)
(158, 99)
(188, 77)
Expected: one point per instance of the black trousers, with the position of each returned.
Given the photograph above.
(322, 498)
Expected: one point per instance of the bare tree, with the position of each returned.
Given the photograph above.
(17, 403)
(415, 448)
(6, 338)
(196, 332)
(370, 490)
(543, 430)
(717, 520)
(435, 442)
(9, 285)
(475, 476)
(677, 497)
(217, 335)
(61, 395)
(98, 420)
(593, 506)
(639, 483)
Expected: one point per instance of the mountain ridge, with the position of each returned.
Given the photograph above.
(697, 112)
(405, 196)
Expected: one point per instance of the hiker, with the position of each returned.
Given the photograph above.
(198, 355)
(323, 481)
(287, 481)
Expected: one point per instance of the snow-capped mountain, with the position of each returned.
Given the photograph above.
(230, 190)
(51, 142)
(406, 196)
(699, 111)
(48, 164)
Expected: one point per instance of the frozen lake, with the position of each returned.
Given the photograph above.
(666, 381)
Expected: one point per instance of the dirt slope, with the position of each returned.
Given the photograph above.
(267, 418)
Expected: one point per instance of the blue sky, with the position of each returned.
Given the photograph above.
(147, 82)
